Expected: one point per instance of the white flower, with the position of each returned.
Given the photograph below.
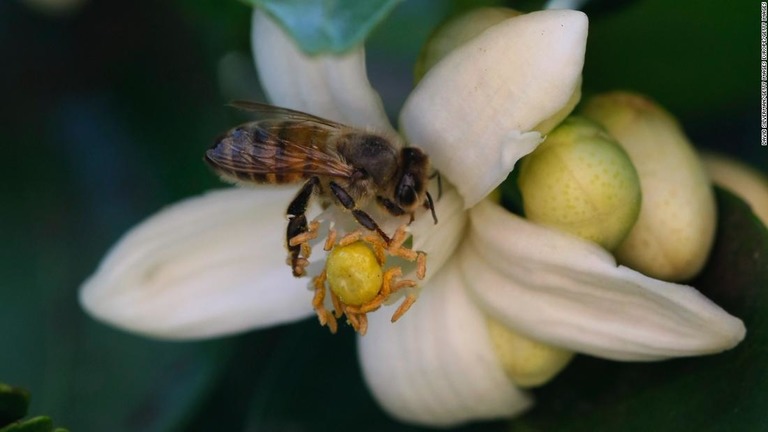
(214, 264)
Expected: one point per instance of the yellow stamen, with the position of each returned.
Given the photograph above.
(404, 306)
(357, 281)
(305, 237)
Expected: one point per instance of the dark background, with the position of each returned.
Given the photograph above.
(105, 114)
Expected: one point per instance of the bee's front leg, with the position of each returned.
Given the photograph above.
(361, 217)
(297, 223)
(393, 208)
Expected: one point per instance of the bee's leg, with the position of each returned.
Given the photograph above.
(428, 203)
(297, 222)
(361, 217)
(391, 207)
(439, 183)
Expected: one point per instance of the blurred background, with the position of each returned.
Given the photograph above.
(107, 109)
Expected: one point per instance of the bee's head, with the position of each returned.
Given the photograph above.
(412, 186)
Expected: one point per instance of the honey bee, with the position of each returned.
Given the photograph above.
(343, 165)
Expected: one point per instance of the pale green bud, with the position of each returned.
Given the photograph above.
(528, 363)
(675, 230)
(581, 181)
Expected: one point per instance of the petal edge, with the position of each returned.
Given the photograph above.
(332, 86)
(436, 365)
(475, 110)
(203, 267)
(569, 292)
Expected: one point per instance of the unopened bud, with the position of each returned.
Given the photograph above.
(674, 232)
(526, 362)
(581, 181)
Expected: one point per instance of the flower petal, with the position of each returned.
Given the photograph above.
(750, 184)
(439, 240)
(332, 86)
(569, 292)
(436, 365)
(207, 266)
(474, 110)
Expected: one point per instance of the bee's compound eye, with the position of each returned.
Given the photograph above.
(406, 191)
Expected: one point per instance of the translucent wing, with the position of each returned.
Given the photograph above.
(285, 146)
(272, 112)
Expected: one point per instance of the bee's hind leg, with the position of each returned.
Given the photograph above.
(361, 217)
(297, 225)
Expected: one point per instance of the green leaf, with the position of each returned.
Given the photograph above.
(14, 403)
(328, 25)
(718, 392)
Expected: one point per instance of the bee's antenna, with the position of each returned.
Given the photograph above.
(431, 206)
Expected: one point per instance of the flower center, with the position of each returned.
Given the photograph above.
(357, 276)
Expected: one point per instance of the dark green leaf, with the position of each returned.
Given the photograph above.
(14, 403)
(35, 424)
(713, 393)
(328, 25)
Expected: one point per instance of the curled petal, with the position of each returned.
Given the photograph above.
(332, 86)
(207, 266)
(569, 292)
(741, 179)
(436, 365)
(475, 110)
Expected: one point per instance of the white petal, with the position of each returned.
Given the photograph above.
(209, 265)
(436, 365)
(474, 110)
(750, 184)
(569, 292)
(335, 87)
(439, 240)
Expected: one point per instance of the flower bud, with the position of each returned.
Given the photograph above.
(353, 273)
(580, 181)
(674, 232)
(526, 362)
(455, 32)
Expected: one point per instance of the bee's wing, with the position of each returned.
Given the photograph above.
(273, 112)
(268, 153)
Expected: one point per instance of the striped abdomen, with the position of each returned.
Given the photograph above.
(276, 152)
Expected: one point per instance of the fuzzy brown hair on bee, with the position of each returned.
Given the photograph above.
(343, 165)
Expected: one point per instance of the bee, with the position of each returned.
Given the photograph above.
(343, 165)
